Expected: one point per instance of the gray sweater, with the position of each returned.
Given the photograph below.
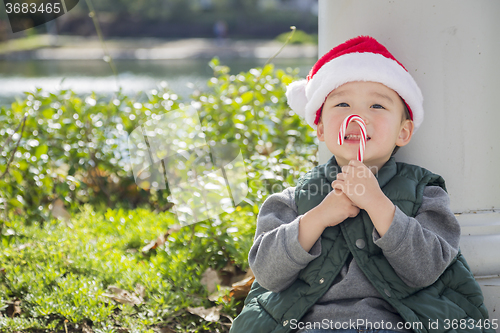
(419, 249)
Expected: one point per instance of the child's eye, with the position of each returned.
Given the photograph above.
(342, 105)
(377, 106)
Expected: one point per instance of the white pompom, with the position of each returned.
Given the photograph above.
(296, 97)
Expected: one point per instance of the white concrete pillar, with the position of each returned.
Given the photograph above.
(452, 49)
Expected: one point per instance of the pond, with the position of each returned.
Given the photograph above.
(134, 76)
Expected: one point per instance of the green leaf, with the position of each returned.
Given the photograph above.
(267, 69)
(23, 165)
(15, 202)
(40, 150)
(48, 113)
(247, 97)
(214, 63)
(17, 175)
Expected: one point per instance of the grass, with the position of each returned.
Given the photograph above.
(59, 277)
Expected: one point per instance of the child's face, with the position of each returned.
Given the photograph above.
(383, 112)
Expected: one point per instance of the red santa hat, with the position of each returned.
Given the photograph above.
(359, 59)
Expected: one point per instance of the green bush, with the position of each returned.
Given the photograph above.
(60, 273)
(57, 275)
(74, 148)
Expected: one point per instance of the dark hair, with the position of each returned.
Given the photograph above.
(406, 116)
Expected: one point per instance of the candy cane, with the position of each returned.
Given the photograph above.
(362, 140)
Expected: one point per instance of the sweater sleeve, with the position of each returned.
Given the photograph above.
(276, 256)
(420, 248)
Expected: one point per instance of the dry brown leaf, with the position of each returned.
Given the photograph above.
(237, 278)
(17, 308)
(210, 279)
(241, 288)
(122, 296)
(231, 273)
(13, 308)
(140, 290)
(154, 244)
(161, 239)
(86, 328)
(229, 269)
(241, 277)
(210, 314)
(227, 274)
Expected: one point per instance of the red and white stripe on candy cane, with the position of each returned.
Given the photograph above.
(362, 140)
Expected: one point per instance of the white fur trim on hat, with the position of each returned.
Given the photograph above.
(296, 97)
(360, 67)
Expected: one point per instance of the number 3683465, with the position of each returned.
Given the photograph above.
(33, 8)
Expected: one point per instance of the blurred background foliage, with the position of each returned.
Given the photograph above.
(185, 18)
(70, 149)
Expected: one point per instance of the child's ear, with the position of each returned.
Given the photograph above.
(320, 131)
(405, 133)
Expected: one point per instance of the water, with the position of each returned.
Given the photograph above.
(134, 76)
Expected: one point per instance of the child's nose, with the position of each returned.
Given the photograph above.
(363, 116)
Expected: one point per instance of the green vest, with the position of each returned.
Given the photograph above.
(455, 295)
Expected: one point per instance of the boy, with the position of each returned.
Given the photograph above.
(357, 247)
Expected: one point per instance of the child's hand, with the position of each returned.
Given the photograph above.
(359, 184)
(336, 207)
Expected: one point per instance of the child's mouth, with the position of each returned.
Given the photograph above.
(354, 137)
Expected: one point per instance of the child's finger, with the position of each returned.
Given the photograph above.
(355, 163)
(337, 191)
(338, 185)
(346, 169)
(337, 181)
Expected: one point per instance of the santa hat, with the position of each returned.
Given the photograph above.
(359, 59)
